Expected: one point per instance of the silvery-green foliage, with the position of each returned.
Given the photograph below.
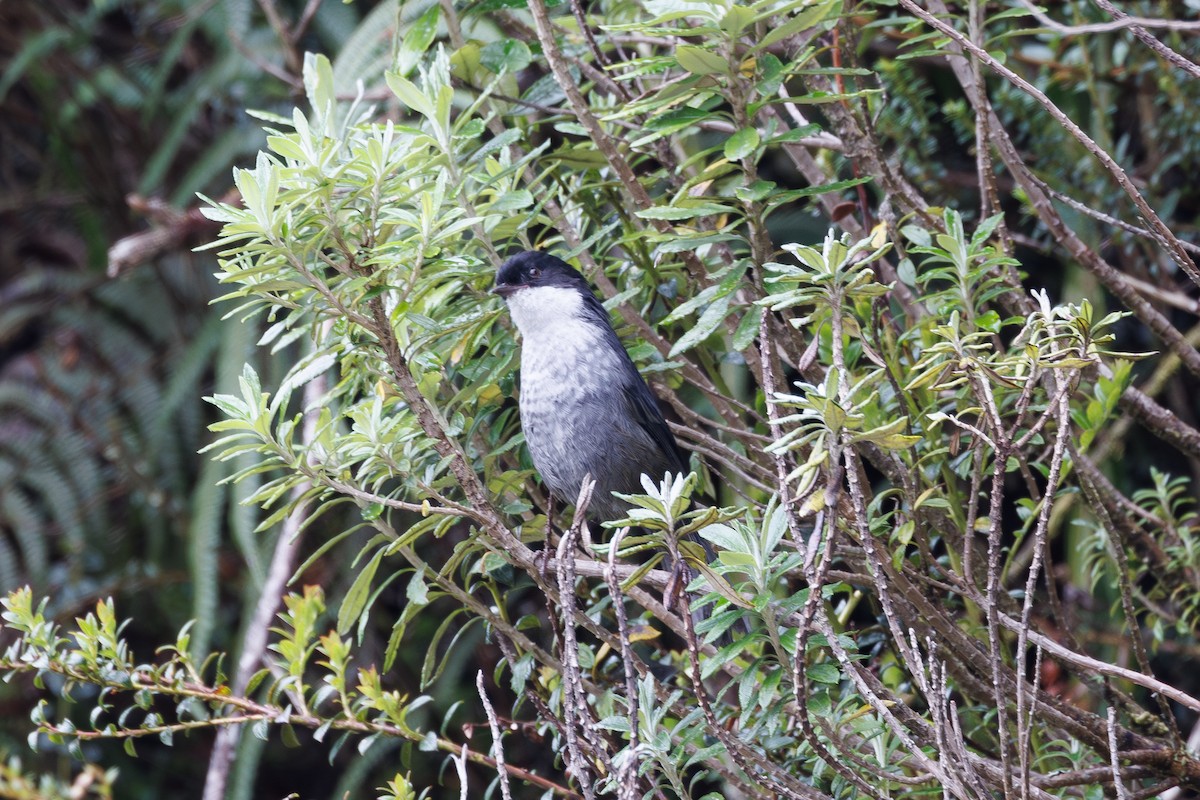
(891, 429)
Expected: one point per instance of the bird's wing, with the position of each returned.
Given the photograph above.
(639, 400)
(644, 410)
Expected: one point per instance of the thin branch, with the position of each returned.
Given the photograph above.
(1099, 667)
(497, 744)
(1024, 704)
(1121, 23)
(1084, 208)
(574, 702)
(1164, 234)
(275, 19)
(627, 780)
(1114, 755)
(447, 509)
(255, 711)
(1138, 28)
(306, 17)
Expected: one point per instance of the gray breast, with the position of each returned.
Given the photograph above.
(576, 421)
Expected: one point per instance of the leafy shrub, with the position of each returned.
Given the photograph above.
(896, 430)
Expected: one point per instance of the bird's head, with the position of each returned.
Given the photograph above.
(542, 290)
(531, 271)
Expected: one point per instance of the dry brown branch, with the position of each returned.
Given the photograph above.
(1163, 233)
(171, 230)
(1118, 24)
(1138, 27)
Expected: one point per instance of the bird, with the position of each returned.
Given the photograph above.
(584, 407)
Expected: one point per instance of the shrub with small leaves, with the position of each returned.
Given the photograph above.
(892, 426)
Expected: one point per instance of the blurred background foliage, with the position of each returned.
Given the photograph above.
(113, 115)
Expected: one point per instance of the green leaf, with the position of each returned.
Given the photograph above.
(709, 321)
(417, 591)
(718, 583)
(305, 371)
(356, 596)
(513, 201)
(520, 672)
(746, 331)
(736, 19)
(902, 537)
(432, 666)
(506, 55)
(677, 119)
(699, 61)
(684, 212)
(889, 436)
(759, 190)
(288, 734)
(417, 40)
(824, 673)
(318, 82)
(680, 242)
(722, 536)
(809, 191)
(771, 73)
(287, 147)
(582, 157)
(796, 134)
(408, 94)
(806, 19)
(684, 309)
(742, 144)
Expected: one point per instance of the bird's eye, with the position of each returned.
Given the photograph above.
(535, 272)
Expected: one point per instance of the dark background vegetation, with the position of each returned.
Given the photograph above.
(113, 115)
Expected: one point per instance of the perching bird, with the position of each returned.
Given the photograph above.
(584, 407)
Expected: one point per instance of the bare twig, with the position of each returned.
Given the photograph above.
(1024, 703)
(1084, 208)
(627, 783)
(497, 744)
(171, 230)
(1115, 756)
(1164, 234)
(989, 196)
(1138, 28)
(275, 19)
(574, 703)
(460, 766)
(1121, 23)
(1102, 667)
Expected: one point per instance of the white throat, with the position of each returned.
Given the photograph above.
(541, 310)
(554, 328)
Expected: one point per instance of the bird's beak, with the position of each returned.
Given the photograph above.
(505, 289)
